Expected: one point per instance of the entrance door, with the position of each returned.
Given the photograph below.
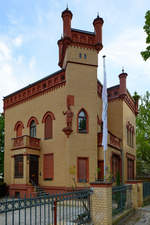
(33, 169)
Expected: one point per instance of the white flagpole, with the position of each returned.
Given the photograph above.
(104, 116)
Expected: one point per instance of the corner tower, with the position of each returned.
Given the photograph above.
(78, 56)
(78, 38)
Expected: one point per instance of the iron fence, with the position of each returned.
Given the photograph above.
(146, 189)
(121, 198)
(67, 208)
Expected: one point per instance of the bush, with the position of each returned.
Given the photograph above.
(3, 189)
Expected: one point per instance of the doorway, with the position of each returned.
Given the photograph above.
(33, 169)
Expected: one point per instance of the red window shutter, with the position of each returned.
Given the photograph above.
(19, 131)
(101, 172)
(48, 127)
(82, 169)
(48, 167)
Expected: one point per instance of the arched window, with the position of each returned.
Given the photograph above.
(82, 122)
(33, 129)
(48, 127)
(18, 128)
(19, 131)
(48, 124)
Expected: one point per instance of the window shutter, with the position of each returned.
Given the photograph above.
(48, 166)
(19, 131)
(48, 127)
(82, 169)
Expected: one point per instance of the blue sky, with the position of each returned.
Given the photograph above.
(29, 31)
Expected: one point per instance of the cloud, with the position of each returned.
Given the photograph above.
(18, 41)
(124, 50)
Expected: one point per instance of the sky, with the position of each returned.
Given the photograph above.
(30, 29)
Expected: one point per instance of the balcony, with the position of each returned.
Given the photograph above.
(113, 141)
(26, 142)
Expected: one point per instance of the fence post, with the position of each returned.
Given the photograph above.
(55, 212)
(101, 203)
(137, 193)
(140, 193)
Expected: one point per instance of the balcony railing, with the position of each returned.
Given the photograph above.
(113, 141)
(26, 142)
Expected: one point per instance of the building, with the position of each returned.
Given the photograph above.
(53, 127)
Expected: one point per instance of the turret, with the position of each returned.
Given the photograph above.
(122, 77)
(98, 23)
(67, 16)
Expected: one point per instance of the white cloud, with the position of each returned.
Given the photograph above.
(125, 50)
(18, 41)
(32, 62)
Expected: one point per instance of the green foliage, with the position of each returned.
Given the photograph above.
(3, 189)
(1, 144)
(143, 136)
(146, 54)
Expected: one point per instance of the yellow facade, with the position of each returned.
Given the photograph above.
(79, 65)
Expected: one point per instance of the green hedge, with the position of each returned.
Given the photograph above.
(3, 189)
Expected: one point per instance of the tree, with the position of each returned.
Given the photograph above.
(146, 54)
(1, 144)
(143, 136)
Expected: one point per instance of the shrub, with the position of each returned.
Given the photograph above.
(3, 189)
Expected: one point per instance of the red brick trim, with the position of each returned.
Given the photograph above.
(60, 189)
(40, 87)
(23, 189)
(134, 181)
(48, 114)
(87, 121)
(32, 118)
(17, 124)
(130, 156)
(101, 185)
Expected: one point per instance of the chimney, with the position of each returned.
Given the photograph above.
(98, 23)
(122, 77)
(67, 16)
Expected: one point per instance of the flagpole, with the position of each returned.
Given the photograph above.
(104, 116)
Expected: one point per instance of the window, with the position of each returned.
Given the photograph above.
(130, 135)
(48, 127)
(80, 55)
(48, 166)
(33, 129)
(19, 131)
(18, 166)
(100, 169)
(116, 166)
(18, 128)
(130, 165)
(82, 122)
(82, 166)
(48, 124)
(85, 56)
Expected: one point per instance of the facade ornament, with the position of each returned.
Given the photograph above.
(69, 116)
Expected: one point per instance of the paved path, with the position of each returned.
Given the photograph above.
(141, 217)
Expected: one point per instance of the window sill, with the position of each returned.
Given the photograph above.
(82, 181)
(82, 132)
(48, 179)
(17, 177)
(48, 138)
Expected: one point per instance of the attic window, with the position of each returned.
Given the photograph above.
(85, 56)
(62, 77)
(80, 55)
(44, 85)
